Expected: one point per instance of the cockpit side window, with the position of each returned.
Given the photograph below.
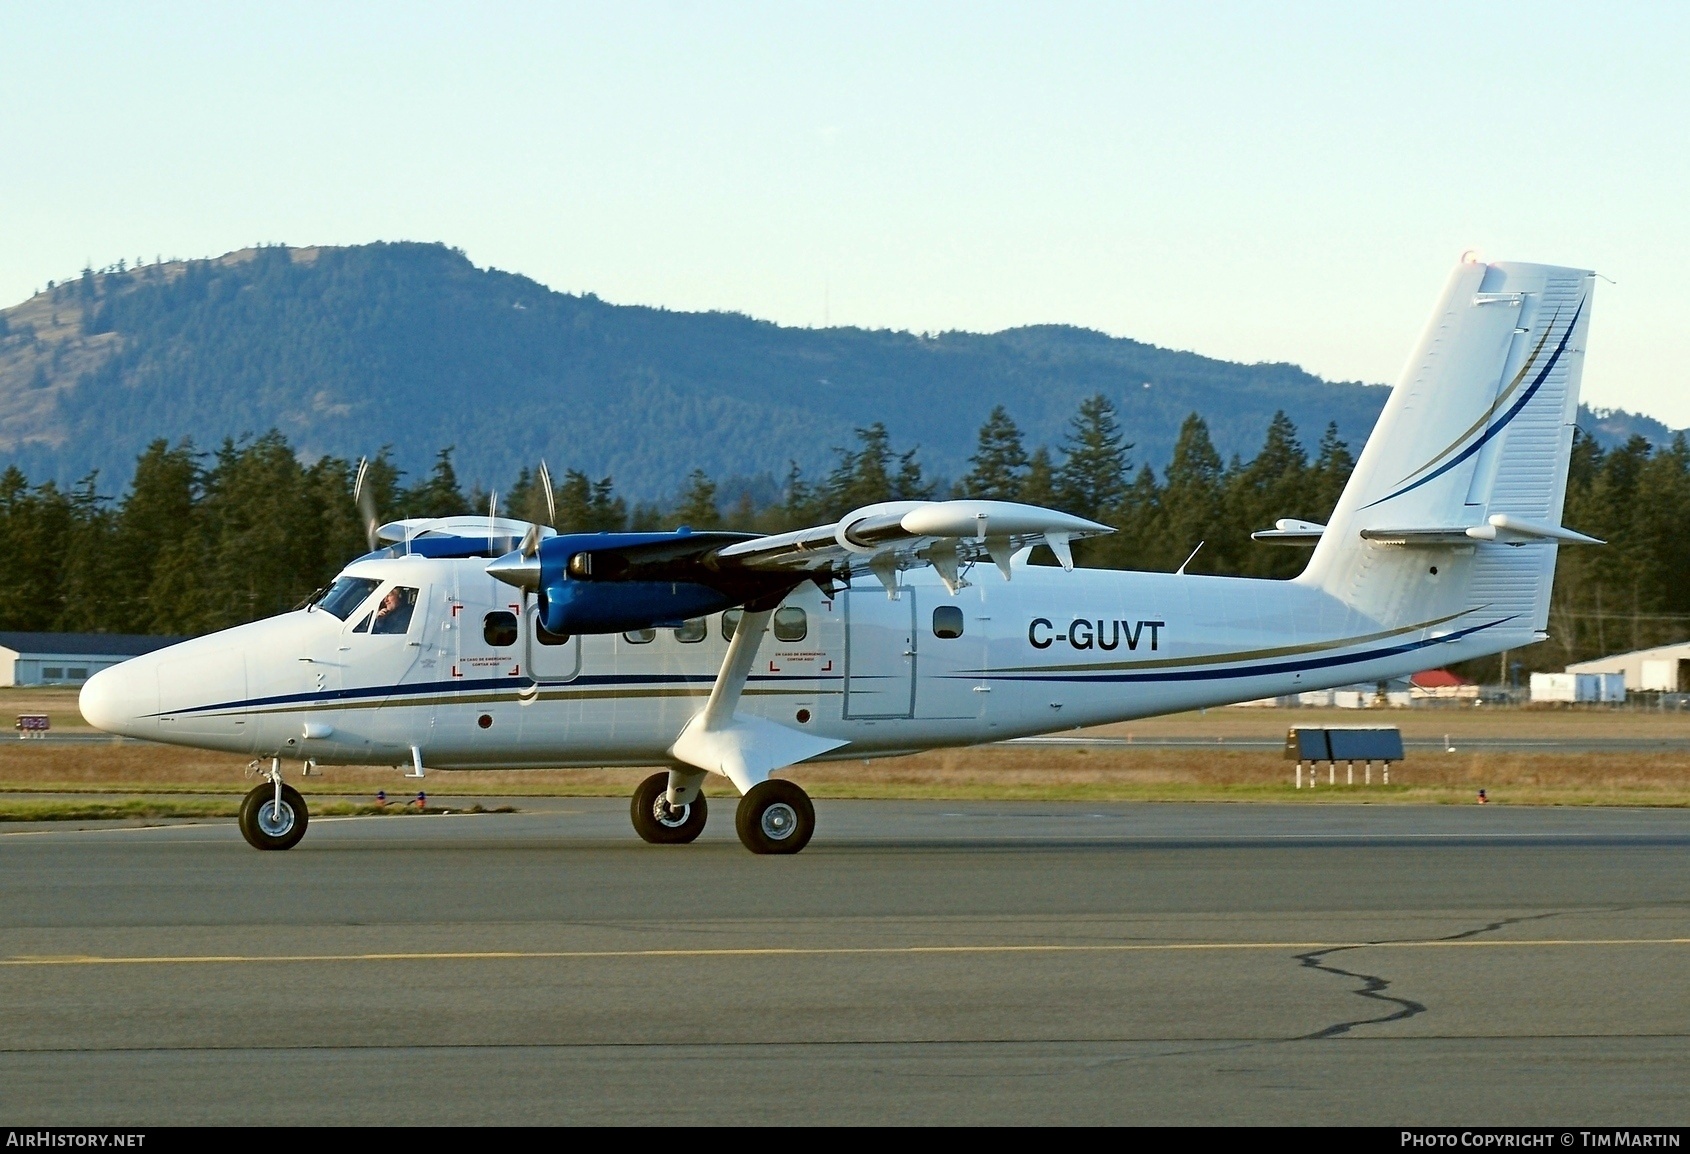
(393, 615)
(346, 594)
(364, 625)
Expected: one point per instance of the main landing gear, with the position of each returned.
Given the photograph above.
(660, 823)
(775, 817)
(273, 815)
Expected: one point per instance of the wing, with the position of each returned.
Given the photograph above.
(614, 582)
(887, 538)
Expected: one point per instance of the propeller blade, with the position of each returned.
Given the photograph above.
(492, 521)
(531, 541)
(551, 497)
(365, 500)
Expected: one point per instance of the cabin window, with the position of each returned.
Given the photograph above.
(640, 636)
(947, 621)
(730, 622)
(346, 594)
(499, 629)
(394, 613)
(546, 637)
(693, 631)
(790, 623)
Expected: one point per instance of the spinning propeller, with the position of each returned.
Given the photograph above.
(366, 502)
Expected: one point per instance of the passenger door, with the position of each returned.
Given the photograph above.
(880, 654)
(551, 657)
(952, 638)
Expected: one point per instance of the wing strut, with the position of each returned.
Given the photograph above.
(742, 748)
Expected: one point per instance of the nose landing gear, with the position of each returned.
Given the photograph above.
(273, 816)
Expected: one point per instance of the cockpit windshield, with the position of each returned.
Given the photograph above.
(345, 595)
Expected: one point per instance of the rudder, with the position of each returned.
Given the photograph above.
(1454, 509)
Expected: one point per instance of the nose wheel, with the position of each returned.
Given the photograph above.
(775, 817)
(273, 817)
(660, 823)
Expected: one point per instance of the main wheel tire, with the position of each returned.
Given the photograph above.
(657, 823)
(266, 827)
(775, 817)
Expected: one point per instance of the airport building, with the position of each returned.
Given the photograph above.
(1574, 687)
(1428, 686)
(1663, 669)
(28, 659)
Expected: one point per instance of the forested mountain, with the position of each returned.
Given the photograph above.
(199, 541)
(345, 350)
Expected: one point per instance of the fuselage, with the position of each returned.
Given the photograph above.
(473, 681)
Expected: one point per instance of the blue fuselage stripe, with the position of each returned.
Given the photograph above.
(633, 680)
(1261, 670)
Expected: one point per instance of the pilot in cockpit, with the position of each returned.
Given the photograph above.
(394, 613)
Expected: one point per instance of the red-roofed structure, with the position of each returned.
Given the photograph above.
(1441, 683)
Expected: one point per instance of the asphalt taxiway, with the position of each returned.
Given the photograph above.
(920, 962)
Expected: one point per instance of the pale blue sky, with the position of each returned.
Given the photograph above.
(1257, 182)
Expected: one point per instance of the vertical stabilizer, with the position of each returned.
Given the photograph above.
(1477, 433)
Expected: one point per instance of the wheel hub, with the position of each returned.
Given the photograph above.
(779, 821)
(275, 821)
(671, 816)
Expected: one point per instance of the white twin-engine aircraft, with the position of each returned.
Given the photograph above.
(470, 642)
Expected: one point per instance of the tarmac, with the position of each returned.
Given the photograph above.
(920, 962)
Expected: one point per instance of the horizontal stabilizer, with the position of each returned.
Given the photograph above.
(1500, 528)
(1288, 531)
(746, 749)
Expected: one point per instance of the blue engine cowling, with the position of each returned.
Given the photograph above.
(617, 582)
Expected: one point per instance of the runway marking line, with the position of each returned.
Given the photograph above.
(816, 951)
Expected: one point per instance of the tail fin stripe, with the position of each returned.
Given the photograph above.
(1499, 402)
(1513, 412)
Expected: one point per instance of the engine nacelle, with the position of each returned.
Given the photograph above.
(617, 582)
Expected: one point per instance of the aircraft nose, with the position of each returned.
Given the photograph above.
(121, 699)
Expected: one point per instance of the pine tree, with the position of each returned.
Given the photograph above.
(697, 507)
(862, 476)
(999, 460)
(1193, 499)
(909, 485)
(1330, 473)
(799, 507)
(158, 514)
(439, 496)
(575, 503)
(1273, 485)
(1093, 477)
(607, 513)
(1038, 487)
